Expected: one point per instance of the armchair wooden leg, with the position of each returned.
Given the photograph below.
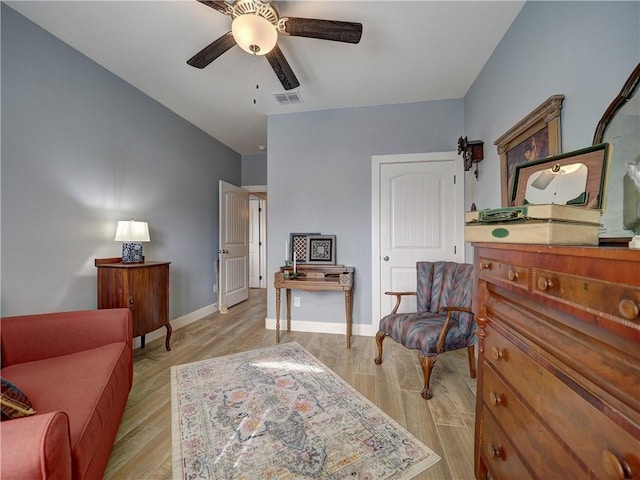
(427, 364)
(380, 336)
(471, 354)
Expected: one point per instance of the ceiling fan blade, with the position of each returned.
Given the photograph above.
(212, 51)
(348, 32)
(282, 69)
(220, 6)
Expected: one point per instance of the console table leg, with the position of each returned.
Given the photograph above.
(288, 310)
(349, 314)
(277, 315)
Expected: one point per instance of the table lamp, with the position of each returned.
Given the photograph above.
(132, 233)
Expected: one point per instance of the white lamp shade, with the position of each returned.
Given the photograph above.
(254, 34)
(132, 231)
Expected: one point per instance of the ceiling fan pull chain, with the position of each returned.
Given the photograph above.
(255, 76)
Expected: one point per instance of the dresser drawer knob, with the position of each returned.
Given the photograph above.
(616, 468)
(485, 265)
(495, 451)
(497, 353)
(512, 275)
(496, 399)
(628, 309)
(544, 283)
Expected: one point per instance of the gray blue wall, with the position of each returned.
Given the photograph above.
(319, 163)
(254, 169)
(583, 50)
(319, 167)
(82, 149)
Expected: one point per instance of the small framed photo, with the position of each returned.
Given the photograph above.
(321, 249)
(298, 242)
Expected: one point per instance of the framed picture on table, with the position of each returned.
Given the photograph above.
(321, 249)
(298, 242)
(535, 137)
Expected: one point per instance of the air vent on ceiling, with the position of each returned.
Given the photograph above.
(287, 98)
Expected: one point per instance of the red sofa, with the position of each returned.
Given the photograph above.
(76, 369)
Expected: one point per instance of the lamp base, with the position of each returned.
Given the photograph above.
(132, 252)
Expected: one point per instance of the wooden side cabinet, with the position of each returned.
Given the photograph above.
(142, 287)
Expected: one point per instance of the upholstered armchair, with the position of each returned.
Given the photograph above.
(443, 322)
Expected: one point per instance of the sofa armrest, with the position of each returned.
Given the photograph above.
(36, 337)
(36, 447)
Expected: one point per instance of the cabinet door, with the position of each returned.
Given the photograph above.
(113, 289)
(148, 290)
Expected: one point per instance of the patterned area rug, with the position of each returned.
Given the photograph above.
(279, 413)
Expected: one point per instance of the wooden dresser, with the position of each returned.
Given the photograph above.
(559, 362)
(142, 287)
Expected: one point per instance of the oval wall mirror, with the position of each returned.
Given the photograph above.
(620, 126)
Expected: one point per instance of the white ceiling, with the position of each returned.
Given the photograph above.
(410, 51)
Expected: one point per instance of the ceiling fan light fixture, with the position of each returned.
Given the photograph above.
(254, 34)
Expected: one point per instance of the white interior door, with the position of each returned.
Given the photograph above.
(234, 245)
(419, 215)
(257, 257)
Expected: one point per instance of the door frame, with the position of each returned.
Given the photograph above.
(377, 161)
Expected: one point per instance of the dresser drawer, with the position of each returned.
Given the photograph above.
(605, 298)
(511, 273)
(585, 430)
(498, 452)
(515, 366)
(545, 454)
(594, 437)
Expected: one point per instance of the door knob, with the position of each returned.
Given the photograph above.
(223, 251)
(386, 258)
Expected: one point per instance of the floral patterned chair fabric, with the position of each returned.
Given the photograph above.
(443, 320)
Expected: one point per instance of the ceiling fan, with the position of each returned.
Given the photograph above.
(255, 29)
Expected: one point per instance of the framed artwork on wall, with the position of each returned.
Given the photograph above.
(321, 249)
(535, 137)
(298, 242)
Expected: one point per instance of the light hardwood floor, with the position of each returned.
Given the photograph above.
(445, 423)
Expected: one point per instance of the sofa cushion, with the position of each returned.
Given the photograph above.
(14, 403)
(91, 387)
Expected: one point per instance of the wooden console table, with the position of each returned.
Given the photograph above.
(315, 278)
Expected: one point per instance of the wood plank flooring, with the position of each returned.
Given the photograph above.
(445, 423)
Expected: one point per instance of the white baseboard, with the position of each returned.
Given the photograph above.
(321, 327)
(177, 323)
(338, 328)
